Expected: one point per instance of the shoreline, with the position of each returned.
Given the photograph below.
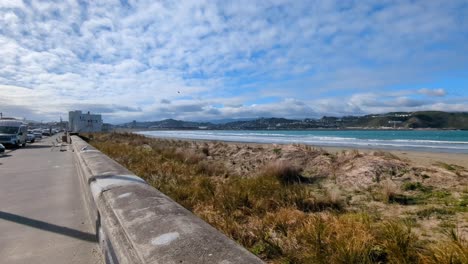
(422, 158)
(422, 141)
(300, 129)
(260, 186)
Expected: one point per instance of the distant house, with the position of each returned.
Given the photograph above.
(79, 122)
(394, 123)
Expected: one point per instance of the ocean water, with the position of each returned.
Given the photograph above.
(419, 140)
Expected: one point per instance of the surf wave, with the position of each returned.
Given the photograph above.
(353, 139)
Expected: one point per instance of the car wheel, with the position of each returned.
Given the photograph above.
(23, 145)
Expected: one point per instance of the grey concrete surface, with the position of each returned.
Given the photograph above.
(43, 218)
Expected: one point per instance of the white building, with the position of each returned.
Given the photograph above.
(80, 123)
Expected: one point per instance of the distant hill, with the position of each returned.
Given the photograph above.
(228, 120)
(261, 123)
(423, 119)
(166, 124)
(400, 120)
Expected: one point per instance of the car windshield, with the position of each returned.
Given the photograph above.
(8, 130)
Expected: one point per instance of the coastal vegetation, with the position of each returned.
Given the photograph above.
(299, 204)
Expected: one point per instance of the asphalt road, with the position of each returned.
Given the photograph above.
(42, 212)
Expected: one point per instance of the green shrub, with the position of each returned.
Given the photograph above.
(414, 186)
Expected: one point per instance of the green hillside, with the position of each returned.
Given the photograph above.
(409, 120)
(423, 119)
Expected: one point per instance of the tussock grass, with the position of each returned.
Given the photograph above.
(450, 167)
(386, 155)
(430, 211)
(276, 212)
(389, 191)
(452, 251)
(458, 170)
(285, 173)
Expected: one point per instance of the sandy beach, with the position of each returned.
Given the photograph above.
(420, 158)
(243, 189)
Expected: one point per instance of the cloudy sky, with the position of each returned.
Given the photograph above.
(203, 60)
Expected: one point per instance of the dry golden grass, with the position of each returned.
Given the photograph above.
(275, 211)
(389, 191)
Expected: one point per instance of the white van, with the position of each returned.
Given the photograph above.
(13, 133)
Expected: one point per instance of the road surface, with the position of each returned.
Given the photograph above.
(43, 217)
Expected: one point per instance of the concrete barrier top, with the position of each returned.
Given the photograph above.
(142, 225)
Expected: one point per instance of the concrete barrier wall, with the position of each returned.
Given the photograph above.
(136, 223)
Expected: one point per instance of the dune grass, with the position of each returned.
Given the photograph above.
(276, 213)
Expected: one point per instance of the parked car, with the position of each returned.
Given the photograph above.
(2, 148)
(37, 133)
(13, 133)
(31, 138)
(46, 132)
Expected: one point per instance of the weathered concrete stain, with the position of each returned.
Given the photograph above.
(164, 239)
(104, 184)
(124, 195)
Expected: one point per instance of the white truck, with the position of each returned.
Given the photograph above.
(13, 133)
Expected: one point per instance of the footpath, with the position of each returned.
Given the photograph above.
(43, 218)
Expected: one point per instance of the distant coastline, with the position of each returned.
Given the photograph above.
(304, 129)
(427, 120)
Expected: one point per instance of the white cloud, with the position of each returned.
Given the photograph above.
(432, 92)
(139, 56)
(12, 4)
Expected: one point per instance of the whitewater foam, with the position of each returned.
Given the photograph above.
(404, 140)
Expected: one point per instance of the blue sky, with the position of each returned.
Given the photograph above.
(202, 60)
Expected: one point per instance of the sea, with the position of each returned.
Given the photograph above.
(449, 141)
